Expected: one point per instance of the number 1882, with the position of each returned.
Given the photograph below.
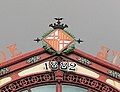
(65, 66)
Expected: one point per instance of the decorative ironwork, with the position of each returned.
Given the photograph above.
(79, 40)
(88, 82)
(84, 61)
(37, 40)
(114, 74)
(33, 59)
(58, 25)
(58, 76)
(29, 81)
(58, 40)
(69, 49)
(4, 71)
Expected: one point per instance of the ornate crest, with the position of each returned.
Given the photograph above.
(58, 40)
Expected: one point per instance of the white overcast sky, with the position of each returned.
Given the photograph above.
(96, 22)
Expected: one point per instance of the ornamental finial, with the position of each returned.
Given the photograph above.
(58, 24)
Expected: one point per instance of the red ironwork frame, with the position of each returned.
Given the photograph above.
(58, 77)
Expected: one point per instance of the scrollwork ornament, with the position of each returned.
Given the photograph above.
(4, 71)
(114, 73)
(84, 61)
(69, 49)
(33, 59)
